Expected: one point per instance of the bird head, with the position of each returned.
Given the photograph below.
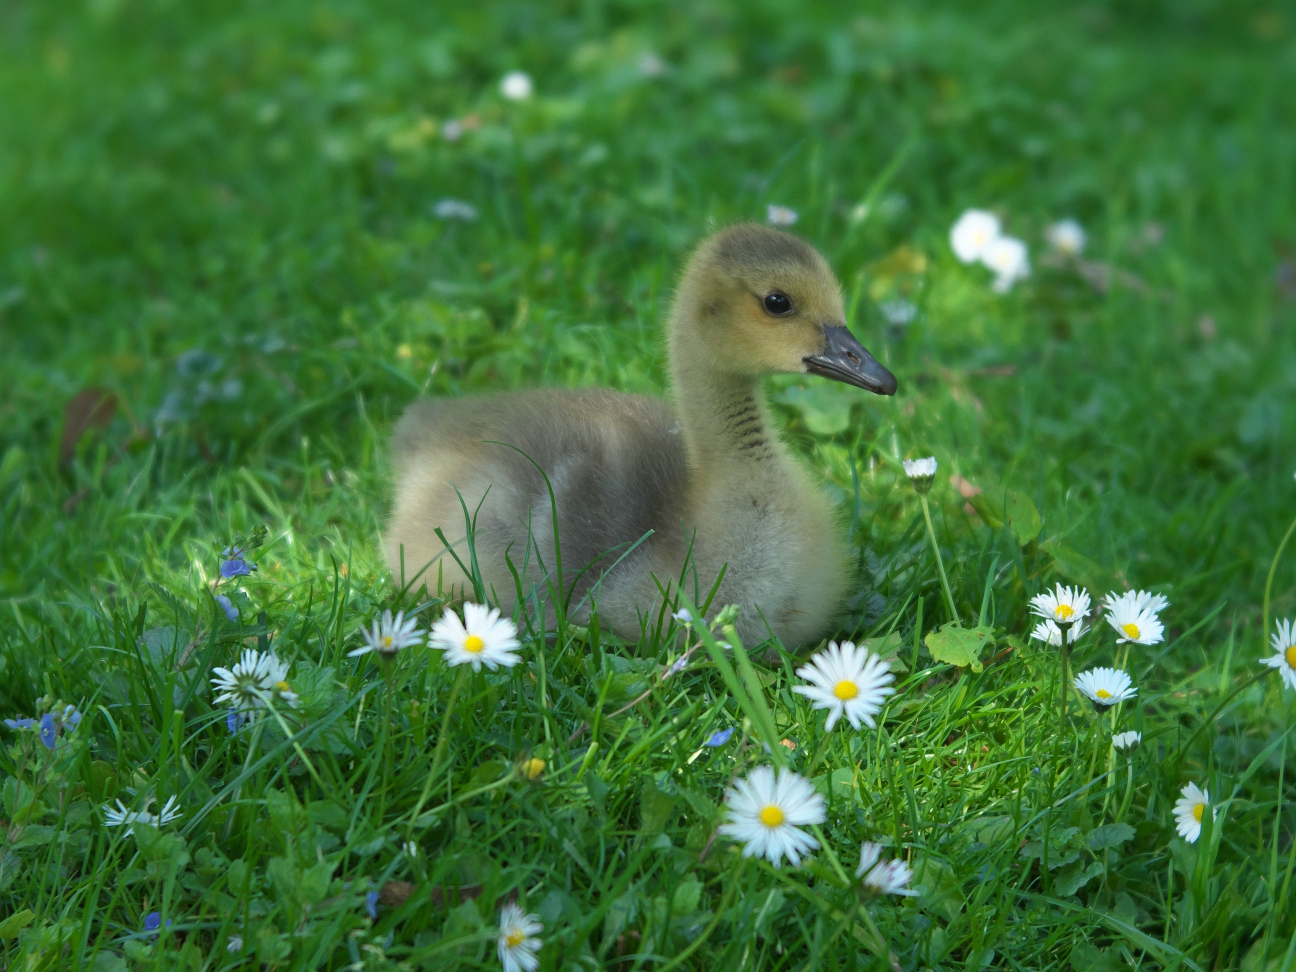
(756, 301)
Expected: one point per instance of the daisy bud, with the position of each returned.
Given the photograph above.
(921, 473)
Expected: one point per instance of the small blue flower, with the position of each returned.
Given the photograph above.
(234, 720)
(227, 605)
(237, 567)
(719, 737)
(153, 921)
(371, 904)
(48, 733)
(20, 723)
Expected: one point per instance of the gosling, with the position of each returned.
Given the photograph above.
(649, 499)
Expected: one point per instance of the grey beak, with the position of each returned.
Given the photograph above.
(845, 359)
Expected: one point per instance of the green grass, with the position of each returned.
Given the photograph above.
(222, 214)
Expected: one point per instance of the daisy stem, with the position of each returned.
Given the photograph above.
(827, 849)
(883, 947)
(389, 755)
(1129, 789)
(1066, 676)
(1264, 631)
(251, 755)
(1111, 762)
(1093, 754)
(820, 753)
(434, 771)
(940, 564)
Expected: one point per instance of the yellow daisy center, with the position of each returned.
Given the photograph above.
(1290, 655)
(1064, 612)
(771, 816)
(1103, 694)
(515, 938)
(281, 686)
(1197, 811)
(533, 767)
(1131, 629)
(387, 641)
(474, 644)
(846, 690)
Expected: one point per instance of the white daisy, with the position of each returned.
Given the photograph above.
(921, 473)
(169, 812)
(1067, 237)
(847, 681)
(764, 810)
(1066, 605)
(455, 209)
(781, 215)
(516, 86)
(1284, 642)
(482, 638)
(389, 636)
(1127, 740)
(1049, 632)
(518, 943)
(885, 877)
(1007, 257)
(120, 816)
(1189, 810)
(869, 854)
(898, 311)
(1137, 600)
(1133, 622)
(973, 232)
(1147, 601)
(1104, 687)
(255, 678)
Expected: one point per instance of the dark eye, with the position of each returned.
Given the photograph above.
(778, 304)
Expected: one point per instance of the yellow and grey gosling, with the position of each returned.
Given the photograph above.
(753, 301)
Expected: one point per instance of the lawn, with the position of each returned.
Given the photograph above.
(236, 239)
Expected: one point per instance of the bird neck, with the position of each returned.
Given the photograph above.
(722, 416)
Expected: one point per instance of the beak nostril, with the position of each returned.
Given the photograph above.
(852, 357)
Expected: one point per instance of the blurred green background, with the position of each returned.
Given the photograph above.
(225, 213)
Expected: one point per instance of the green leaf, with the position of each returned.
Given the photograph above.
(655, 810)
(314, 883)
(109, 962)
(488, 772)
(687, 896)
(999, 505)
(843, 781)
(992, 830)
(10, 865)
(101, 781)
(887, 648)
(161, 644)
(598, 791)
(1110, 835)
(11, 926)
(824, 408)
(956, 645)
(283, 877)
(1079, 568)
(942, 891)
(1075, 876)
(1090, 958)
(1185, 856)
